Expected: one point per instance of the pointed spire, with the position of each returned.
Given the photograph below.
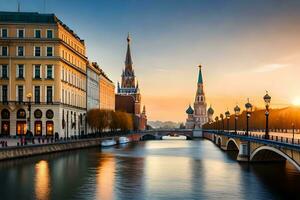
(200, 80)
(128, 60)
(137, 84)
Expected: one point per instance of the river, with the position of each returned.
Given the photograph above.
(191, 169)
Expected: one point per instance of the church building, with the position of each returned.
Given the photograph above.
(199, 115)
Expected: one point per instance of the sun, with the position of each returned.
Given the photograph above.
(296, 101)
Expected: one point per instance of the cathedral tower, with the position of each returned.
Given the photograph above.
(128, 97)
(198, 116)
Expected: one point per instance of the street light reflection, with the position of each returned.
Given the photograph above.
(42, 180)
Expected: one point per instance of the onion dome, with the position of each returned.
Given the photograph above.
(210, 111)
(190, 110)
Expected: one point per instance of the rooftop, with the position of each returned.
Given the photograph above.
(35, 18)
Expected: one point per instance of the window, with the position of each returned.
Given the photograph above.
(37, 128)
(4, 72)
(49, 72)
(20, 91)
(4, 33)
(4, 51)
(63, 96)
(37, 51)
(37, 94)
(20, 51)
(49, 94)
(20, 71)
(49, 33)
(49, 128)
(49, 51)
(4, 93)
(37, 33)
(21, 33)
(37, 72)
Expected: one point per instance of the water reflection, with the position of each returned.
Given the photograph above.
(42, 180)
(106, 177)
(146, 170)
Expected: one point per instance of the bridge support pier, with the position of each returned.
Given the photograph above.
(244, 151)
(197, 133)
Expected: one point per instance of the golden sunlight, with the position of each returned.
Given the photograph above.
(296, 101)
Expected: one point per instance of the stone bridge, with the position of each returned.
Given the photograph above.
(254, 149)
(158, 133)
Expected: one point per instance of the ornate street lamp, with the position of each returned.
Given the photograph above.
(236, 116)
(267, 100)
(29, 95)
(222, 118)
(217, 123)
(248, 107)
(293, 126)
(227, 114)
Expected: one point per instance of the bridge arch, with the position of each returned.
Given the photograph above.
(272, 154)
(148, 136)
(232, 145)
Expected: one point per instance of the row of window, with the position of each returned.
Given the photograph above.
(67, 40)
(20, 93)
(71, 78)
(20, 51)
(20, 33)
(21, 125)
(71, 98)
(72, 59)
(20, 71)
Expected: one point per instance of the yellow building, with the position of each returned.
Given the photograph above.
(107, 92)
(42, 76)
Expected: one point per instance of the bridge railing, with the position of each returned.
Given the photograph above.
(253, 135)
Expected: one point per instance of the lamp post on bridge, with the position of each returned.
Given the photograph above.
(267, 100)
(222, 118)
(227, 114)
(217, 123)
(248, 106)
(293, 126)
(236, 113)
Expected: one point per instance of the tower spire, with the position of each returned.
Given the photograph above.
(200, 80)
(128, 60)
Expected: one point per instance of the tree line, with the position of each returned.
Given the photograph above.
(99, 120)
(279, 120)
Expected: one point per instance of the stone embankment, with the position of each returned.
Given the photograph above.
(31, 150)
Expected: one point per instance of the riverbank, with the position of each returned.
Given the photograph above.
(38, 149)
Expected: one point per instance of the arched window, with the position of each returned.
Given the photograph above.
(21, 114)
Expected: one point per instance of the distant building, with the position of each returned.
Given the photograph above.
(42, 63)
(107, 92)
(93, 88)
(199, 115)
(128, 97)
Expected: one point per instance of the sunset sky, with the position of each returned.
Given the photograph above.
(245, 48)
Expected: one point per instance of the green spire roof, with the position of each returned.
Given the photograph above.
(200, 80)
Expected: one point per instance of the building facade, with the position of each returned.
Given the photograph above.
(199, 115)
(42, 76)
(93, 88)
(107, 92)
(128, 97)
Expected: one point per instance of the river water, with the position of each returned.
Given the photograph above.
(194, 169)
